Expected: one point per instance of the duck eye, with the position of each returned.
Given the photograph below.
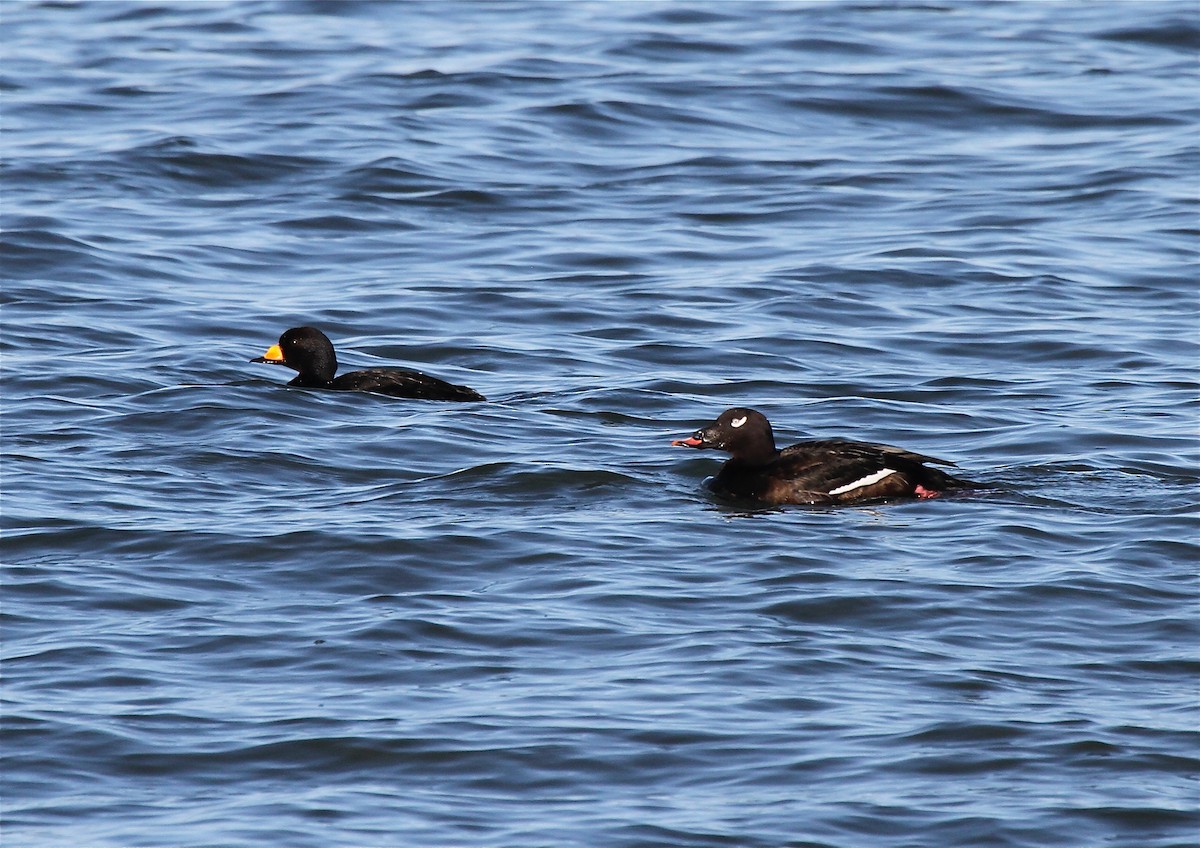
(738, 422)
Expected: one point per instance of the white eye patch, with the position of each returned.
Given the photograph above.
(738, 422)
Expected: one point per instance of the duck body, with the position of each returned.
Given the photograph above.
(826, 471)
(309, 352)
(397, 382)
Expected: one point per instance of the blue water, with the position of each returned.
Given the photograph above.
(240, 614)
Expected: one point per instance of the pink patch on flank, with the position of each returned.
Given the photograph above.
(922, 492)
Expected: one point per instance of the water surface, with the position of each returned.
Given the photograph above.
(237, 613)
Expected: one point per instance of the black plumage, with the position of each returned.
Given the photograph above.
(309, 352)
(826, 471)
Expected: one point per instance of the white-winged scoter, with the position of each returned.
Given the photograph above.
(827, 471)
(309, 351)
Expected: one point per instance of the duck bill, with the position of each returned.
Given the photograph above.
(273, 356)
(689, 442)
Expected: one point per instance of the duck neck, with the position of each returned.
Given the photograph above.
(758, 450)
(320, 371)
(309, 381)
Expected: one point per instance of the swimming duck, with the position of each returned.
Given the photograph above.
(827, 471)
(309, 351)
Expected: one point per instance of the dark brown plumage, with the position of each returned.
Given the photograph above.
(828, 471)
(308, 351)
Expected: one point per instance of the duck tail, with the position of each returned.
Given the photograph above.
(936, 480)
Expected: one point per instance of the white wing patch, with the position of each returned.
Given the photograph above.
(863, 481)
(738, 422)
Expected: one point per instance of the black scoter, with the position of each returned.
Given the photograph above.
(309, 351)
